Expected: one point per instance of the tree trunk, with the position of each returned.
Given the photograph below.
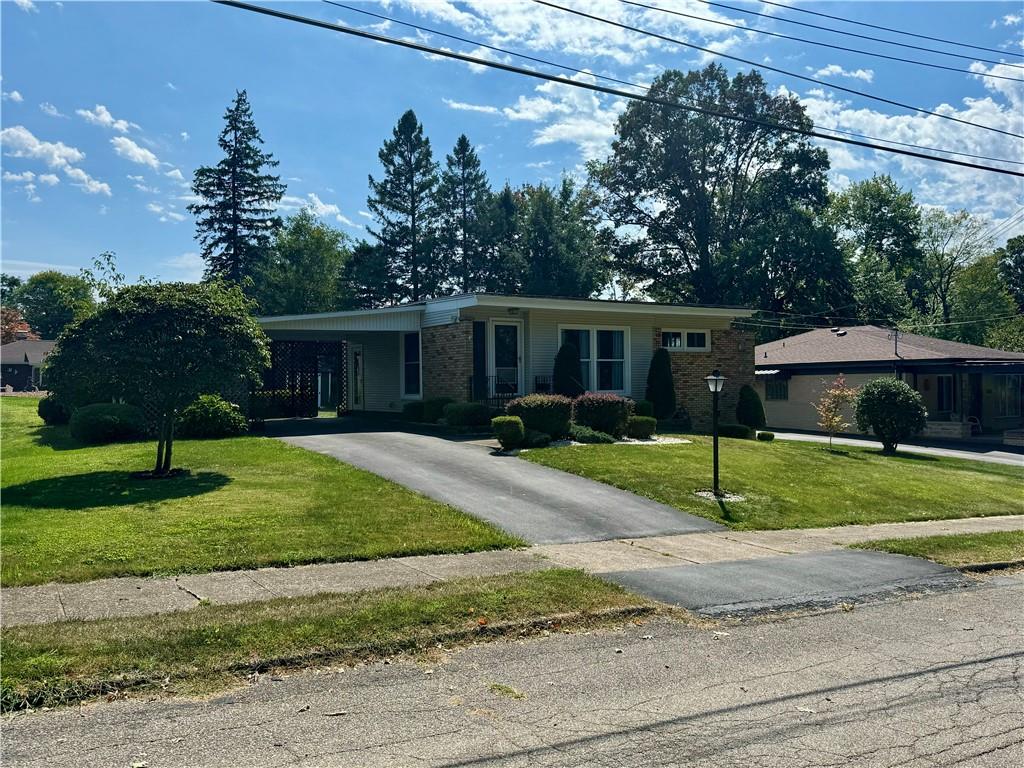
(159, 446)
(169, 444)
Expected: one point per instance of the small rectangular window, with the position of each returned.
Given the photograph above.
(696, 340)
(686, 341)
(776, 389)
(672, 339)
(411, 364)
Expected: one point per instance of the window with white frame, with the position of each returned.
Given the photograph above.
(411, 364)
(683, 340)
(604, 355)
(1006, 391)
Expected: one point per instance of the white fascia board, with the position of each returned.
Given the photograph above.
(346, 313)
(629, 308)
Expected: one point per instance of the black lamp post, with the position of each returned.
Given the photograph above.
(715, 383)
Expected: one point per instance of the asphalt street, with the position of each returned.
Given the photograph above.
(928, 681)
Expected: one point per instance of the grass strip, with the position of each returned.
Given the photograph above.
(959, 550)
(212, 647)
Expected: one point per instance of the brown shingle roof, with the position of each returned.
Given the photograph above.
(868, 343)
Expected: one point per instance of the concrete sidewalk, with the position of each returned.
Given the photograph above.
(108, 598)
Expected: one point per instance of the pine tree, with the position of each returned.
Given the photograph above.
(504, 264)
(460, 200)
(235, 217)
(402, 202)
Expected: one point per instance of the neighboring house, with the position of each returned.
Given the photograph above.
(490, 348)
(21, 364)
(967, 389)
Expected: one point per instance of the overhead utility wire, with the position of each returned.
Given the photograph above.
(508, 52)
(713, 52)
(859, 24)
(902, 59)
(593, 86)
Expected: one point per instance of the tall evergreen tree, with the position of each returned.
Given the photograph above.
(460, 199)
(402, 202)
(367, 279)
(235, 219)
(504, 263)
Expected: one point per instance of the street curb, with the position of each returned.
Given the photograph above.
(999, 565)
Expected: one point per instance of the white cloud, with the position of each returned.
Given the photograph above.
(539, 165)
(365, 214)
(464, 107)
(19, 177)
(867, 75)
(164, 212)
(14, 96)
(49, 179)
(170, 86)
(87, 183)
(101, 116)
(320, 208)
(347, 221)
(187, 267)
(185, 136)
(175, 174)
(27, 6)
(129, 150)
(49, 109)
(19, 142)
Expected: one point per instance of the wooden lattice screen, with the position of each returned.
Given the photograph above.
(291, 386)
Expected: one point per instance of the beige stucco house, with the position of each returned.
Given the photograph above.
(492, 347)
(967, 389)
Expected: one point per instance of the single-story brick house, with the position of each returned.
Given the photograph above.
(491, 347)
(21, 363)
(967, 389)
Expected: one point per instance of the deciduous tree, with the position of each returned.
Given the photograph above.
(835, 398)
(51, 300)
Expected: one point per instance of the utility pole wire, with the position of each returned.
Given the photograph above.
(770, 68)
(546, 62)
(901, 59)
(595, 87)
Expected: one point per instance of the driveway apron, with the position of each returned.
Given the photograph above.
(538, 504)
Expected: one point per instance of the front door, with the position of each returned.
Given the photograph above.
(356, 376)
(507, 358)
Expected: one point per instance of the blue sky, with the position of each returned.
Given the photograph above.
(109, 107)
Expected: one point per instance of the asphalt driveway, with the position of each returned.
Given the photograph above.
(538, 504)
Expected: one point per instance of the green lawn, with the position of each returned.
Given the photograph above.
(72, 513)
(958, 549)
(799, 485)
(214, 646)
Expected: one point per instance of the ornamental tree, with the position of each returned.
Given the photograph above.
(159, 346)
(834, 399)
(566, 376)
(891, 409)
(661, 389)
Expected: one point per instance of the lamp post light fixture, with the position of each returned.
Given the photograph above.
(715, 383)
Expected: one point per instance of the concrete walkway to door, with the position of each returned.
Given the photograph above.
(538, 504)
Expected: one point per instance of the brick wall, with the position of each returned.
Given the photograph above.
(732, 352)
(447, 352)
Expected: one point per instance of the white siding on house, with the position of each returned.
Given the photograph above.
(804, 391)
(382, 369)
(398, 319)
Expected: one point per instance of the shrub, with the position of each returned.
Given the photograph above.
(582, 434)
(413, 410)
(536, 439)
(544, 413)
(603, 412)
(107, 423)
(433, 409)
(509, 431)
(211, 416)
(749, 409)
(661, 390)
(467, 414)
(643, 408)
(741, 431)
(641, 427)
(52, 411)
(765, 437)
(892, 410)
(566, 377)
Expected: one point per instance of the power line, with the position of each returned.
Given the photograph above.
(760, 31)
(862, 24)
(594, 86)
(713, 52)
(1007, 224)
(509, 52)
(854, 34)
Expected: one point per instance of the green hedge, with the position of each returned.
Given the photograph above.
(534, 438)
(509, 431)
(433, 409)
(741, 431)
(467, 414)
(641, 427)
(551, 414)
(765, 437)
(102, 423)
(52, 411)
(603, 412)
(211, 416)
(413, 410)
(643, 408)
(582, 434)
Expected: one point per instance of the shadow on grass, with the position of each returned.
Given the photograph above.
(57, 438)
(109, 489)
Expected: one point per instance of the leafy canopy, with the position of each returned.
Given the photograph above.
(50, 301)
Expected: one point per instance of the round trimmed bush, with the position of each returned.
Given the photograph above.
(661, 390)
(509, 431)
(603, 412)
(536, 439)
(467, 414)
(891, 409)
(551, 414)
(433, 409)
(641, 427)
(765, 437)
(102, 423)
(211, 416)
(581, 434)
(643, 408)
(52, 411)
(741, 431)
(749, 409)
